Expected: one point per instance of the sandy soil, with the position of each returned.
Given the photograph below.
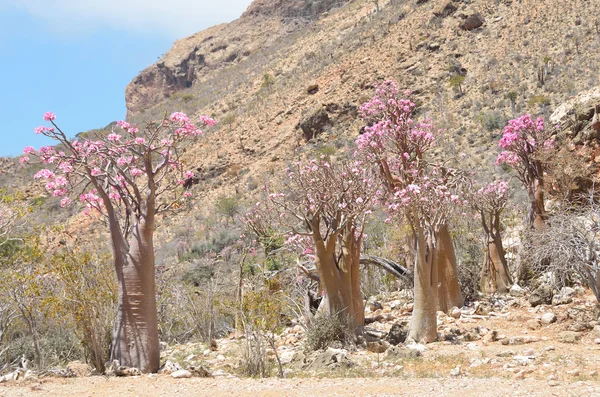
(166, 386)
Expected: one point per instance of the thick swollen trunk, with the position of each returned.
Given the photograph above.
(537, 215)
(135, 336)
(449, 293)
(495, 275)
(340, 284)
(423, 323)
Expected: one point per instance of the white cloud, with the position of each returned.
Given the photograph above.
(174, 18)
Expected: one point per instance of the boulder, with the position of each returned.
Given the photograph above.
(444, 8)
(169, 368)
(373, 304)
(397, 334)
(399, 352)
(332, 358)
(569, 337)
(541, 296)
(181, 374)
(315, 123)
(79, 369)
(534, 324)
(516, 290)
(472, 22)
(377, 346)
(312, 89)
(548, 318)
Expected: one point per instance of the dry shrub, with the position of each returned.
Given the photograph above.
(325, 331)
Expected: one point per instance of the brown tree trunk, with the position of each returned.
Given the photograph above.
(340, 280)
(423, 323)
(537, 216)
(495, 275)
(135, 336)
(449, 294)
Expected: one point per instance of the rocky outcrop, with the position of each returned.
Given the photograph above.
(193, 59)
(292, 8)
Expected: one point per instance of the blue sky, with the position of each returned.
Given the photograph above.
(75, 57)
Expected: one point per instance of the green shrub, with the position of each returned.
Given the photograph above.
(324, 331)
(492, 121)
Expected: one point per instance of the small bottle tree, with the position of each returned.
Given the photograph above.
(128, 179)
(489, 202)
(526, 143)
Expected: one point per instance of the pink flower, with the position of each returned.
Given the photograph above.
(39, 130)
(24, 160)
(65, 201)
(49, 116)
(135, 172)
(44, 173)
(133, 130)
(189, 174)
(139, 140)
(113, 137)
(96, 172)
(179, 117)
(123, 124)
(187, 194)
(207, 121)
(29, 150)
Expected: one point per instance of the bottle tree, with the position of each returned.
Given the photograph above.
(323, 213)
(489, 202)
(526, 143)
(423, 193)
(126, 179)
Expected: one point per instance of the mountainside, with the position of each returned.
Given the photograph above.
(279, 76)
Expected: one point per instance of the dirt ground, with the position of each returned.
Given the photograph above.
(155, 386)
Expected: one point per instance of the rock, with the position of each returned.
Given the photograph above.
(417, 346)
(516, 290)
(287, 356)
(315, 123)
(520, 340)
(567, 291)
(164, 346)
(397, 334)
(169, 368)
(472, 22)
(332, 358)
(433, 46)
(79, 369)
(181, 374)
(373, 304)
(398, 352)
(560, 299)
(199, 372)
(456, 371)
(534, 324)
(490, 337)
(377, 346)
(444, 9)
(569, 337)
(312, 89)
(553, 383)
(548, 318)
(541, 296)
(520, 375)
(455, 312)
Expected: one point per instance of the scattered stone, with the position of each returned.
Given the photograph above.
(199, 372)
(574, 372)
(397, 334)
(516, 290)
(520, 375)
(169, 368)
(520, 340)
(332, 358)
(315, 123)
(553, 383)
(541, 296)
(373, 304)
(472, 22)
(378, 346)
(548, 318)
(312, 89)
(181, 374)
(548, 348)
(569, 337)
(455, 312)
(490, 337)
(456, 371)
(561, 299)
(534, 324)
(79, 369)
(417, 346)
(164, 346)
(445, 8)
(597, 341)
(580, 326)
(397, 352)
